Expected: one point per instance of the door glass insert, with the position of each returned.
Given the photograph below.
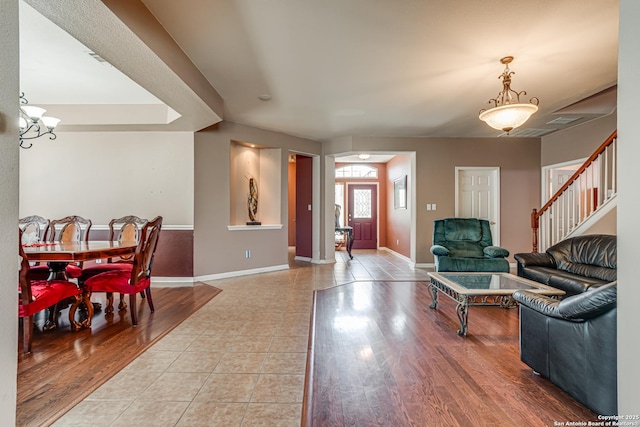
(362, 203)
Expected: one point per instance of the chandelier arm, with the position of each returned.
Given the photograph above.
(23, 145)
(38, 135)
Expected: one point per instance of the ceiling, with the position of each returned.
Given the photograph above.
(331, 67)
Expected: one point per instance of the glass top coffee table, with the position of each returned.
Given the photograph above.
(482, 289)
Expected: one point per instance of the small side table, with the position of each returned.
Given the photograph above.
(347, 232)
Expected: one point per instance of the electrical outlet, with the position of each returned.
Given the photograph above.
(247, 254)
(398, 242)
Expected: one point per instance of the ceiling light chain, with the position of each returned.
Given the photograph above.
(507, 112)
(32, 121)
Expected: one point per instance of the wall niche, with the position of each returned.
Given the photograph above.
(263, 165)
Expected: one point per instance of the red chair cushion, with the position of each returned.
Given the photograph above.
(103, 268)
(45, 294)
(39, 272)
(73, 271)
(115, 281)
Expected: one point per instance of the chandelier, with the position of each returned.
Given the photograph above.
(33, 123)
(507, 112)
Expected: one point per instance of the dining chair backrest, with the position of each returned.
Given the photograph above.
(35, 225)
(25, 285)
(70, 229)
(126, 229)
(143, 258)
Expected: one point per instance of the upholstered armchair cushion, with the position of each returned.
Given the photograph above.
(495, 252)
(439, 250)
(459, 229)
(465, 244)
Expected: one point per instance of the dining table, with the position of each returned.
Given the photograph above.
(58, 255)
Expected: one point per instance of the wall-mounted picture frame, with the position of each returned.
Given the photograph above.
(400, 193)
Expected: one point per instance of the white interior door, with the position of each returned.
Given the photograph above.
(478, 196)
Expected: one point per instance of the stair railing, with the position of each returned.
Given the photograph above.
(589, 188)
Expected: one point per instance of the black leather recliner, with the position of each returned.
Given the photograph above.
(573, 343)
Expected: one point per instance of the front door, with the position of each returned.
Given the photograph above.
(363, 215)
(478, 196)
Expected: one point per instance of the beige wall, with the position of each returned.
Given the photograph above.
(607, 225)
(436, 159)
(105, 175)
(9, 90)
(218, 250)
(578, 142)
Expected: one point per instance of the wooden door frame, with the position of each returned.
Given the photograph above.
(377, 185)
(544, 176)
(496, 197)
(315, 203)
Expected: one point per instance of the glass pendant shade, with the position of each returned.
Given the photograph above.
(50, 122)
(33, 112)
(508, 117)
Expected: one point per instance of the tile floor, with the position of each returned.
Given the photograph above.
(238, 361)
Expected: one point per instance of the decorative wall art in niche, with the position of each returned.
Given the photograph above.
(252, 202)
(257, 204)
(400, 193)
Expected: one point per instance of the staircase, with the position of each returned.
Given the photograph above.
(584, 199)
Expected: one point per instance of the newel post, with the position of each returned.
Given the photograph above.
(534, 228)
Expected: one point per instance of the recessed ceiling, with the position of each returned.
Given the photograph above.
(403, 68)
(76, 84)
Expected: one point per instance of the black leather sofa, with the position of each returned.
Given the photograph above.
(574, 264)
(573, 343)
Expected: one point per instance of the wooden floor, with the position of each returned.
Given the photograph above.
(380, 356)
(66, 366)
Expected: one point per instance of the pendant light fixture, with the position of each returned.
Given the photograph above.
(508, 112)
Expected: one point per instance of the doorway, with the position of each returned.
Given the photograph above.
(362, 215)
(478, 196)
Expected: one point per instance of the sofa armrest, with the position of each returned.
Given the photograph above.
(535, 259)
(539, 303)
(439, 250)
(589, 304)
(495, 252)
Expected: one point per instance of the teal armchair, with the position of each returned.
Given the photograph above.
(465, 244)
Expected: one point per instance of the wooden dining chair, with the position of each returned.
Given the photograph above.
(35, 225)
(38, 295)
(136, 280)
(67, 230)
(125, 229)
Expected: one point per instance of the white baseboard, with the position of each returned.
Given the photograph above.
(399, 255)
(241, 273)
(425, 265)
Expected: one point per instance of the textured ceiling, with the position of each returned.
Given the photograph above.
(388, 68)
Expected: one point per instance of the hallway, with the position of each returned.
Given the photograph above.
(240, 359)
